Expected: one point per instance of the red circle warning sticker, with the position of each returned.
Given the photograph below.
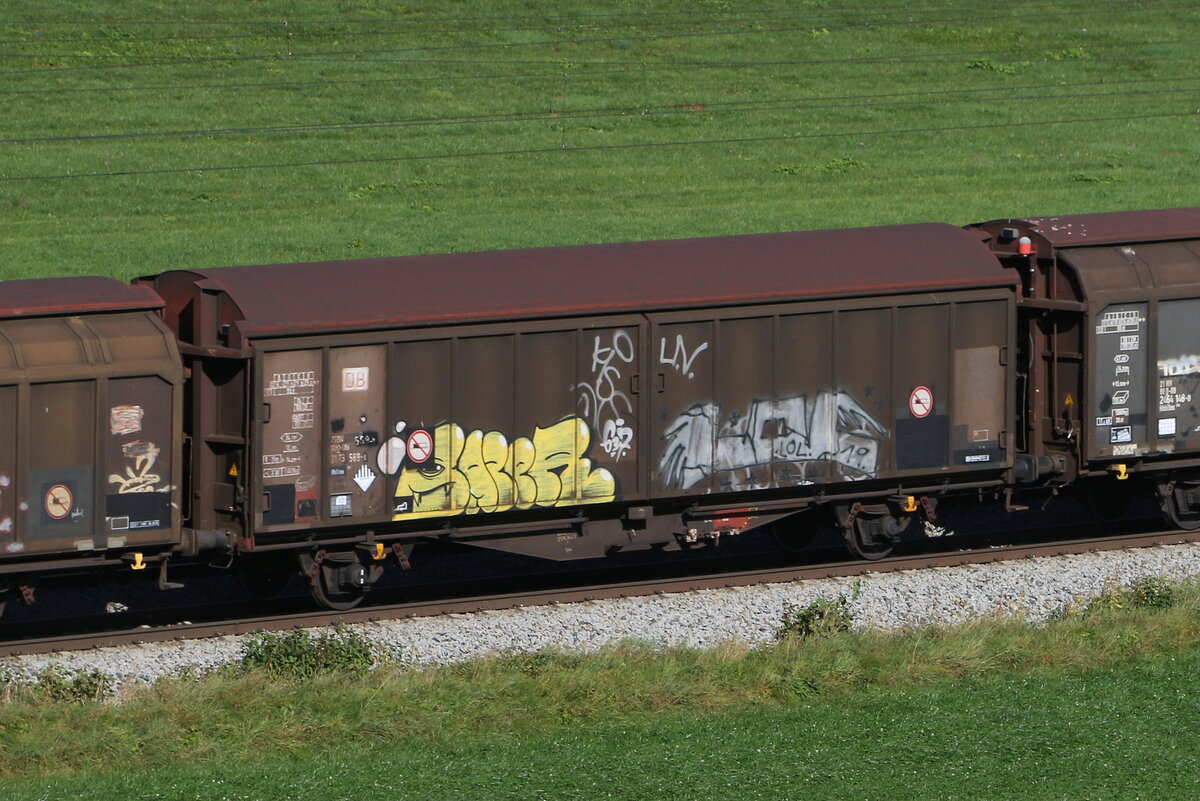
(420, 445)
(59, 501)
(920, 402)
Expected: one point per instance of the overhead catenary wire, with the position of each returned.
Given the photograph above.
(611, 66)
(413, 21)
(693, 106)
(293, 28)
(154, 60)
(567, 149)
(563, 68)
(175, 60)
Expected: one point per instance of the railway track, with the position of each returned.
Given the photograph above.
(981, 552)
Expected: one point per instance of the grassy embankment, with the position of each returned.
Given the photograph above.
(1100, 703)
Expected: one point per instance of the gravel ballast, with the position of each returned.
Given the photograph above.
(1031, 589)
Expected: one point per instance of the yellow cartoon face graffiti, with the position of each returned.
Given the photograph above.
(483, 472)
(435, 486)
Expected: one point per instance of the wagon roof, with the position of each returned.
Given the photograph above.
(286, 299)
(1106, 228)
(37, 297)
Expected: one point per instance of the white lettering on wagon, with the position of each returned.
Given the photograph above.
(291, 383)
(1119, 322)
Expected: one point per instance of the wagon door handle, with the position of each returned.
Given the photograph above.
(634, 384)
(266, 413)
(266, 504)
(661, 385)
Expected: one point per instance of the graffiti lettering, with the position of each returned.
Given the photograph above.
(138, 477)
(617, 438)
(484, 472)
(1178, 386)
(601, 401)
(795, 436)
(681, 359)
(1182, 365)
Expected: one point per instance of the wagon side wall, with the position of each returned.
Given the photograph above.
(471, 424)
(807, 396)
(477, 425)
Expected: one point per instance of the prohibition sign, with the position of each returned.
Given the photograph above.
(920, 402)
(59, 501)
(420, 445)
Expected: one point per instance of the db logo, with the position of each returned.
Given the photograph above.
(355, 379)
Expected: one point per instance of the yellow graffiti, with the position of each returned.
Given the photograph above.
(138, 478)
(483, 472)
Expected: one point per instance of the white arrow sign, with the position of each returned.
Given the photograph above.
(364, 478)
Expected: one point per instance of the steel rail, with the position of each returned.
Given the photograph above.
(484, 603)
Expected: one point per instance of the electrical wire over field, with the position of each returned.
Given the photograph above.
(759, 104)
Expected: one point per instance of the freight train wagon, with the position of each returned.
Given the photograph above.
(1109, 354)
(571, 402)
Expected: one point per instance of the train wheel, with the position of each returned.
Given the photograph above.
(264, 576)
(871, 531)
(1181, 504)
(339, 580)
(1108, 498)
(339, 600)
(21, 591)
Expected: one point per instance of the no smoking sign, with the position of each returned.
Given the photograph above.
(420, 446)
(920, 402)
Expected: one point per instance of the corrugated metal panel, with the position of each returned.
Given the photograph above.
(1145, 370)
(828, 393)
(293, 299)
(1137, 267)
(45, 296)
(90, 416)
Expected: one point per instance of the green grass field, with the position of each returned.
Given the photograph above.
(1104, 703)
(145, 135)
(1126, 733)
(142, 137)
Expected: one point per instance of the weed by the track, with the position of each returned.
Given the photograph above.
(300, 655)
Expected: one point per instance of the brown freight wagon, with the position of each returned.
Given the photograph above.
(569, 402)
(1109, 374)
(91, 393)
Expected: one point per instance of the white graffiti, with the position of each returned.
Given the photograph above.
(1181, 365)
(601, 401)
(682, 358)
(775, 442)
(616, 438)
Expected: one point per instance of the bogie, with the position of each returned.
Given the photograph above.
(1180, 501)
(339, 580)
(872, 530)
